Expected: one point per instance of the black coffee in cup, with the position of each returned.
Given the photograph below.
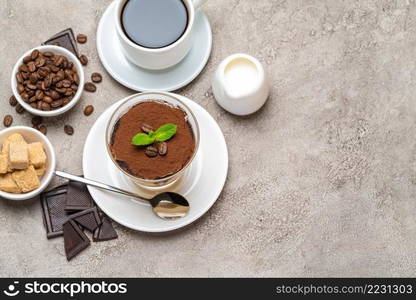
(154, 23)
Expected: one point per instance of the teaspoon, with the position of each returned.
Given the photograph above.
(167, 206)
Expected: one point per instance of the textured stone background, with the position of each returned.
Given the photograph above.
(322, 179)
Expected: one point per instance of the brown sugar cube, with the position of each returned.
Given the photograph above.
(8, 185)
(27, 180)
(37, 156)
(18, 155)
(4, 164)
(40, 171)
(15, 137)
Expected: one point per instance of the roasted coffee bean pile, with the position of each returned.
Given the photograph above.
(47, 81)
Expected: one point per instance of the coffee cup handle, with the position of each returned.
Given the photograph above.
(198, 3)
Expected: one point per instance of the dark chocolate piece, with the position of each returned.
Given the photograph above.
(88, 219)
(64, 39)
(74, 239)
(54, 215)
(78, 197)
(105, 232)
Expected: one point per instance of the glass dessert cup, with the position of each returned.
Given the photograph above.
(164, 98)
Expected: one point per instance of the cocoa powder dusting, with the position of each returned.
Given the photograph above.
(155, 114)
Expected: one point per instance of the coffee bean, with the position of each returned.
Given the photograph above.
(151, 151)
(27, 59)
(34, 105)
(43, 129)
(47, 99)
(8, 121)
(25, 96)
(19, 77)
(13, 101)
(81, 38)
(83, 59)
(48, 54)
(76, 78)
(32, 99)
(66, 83)
(45, 106)
(90, 87)
(65, 101)
(20, 88)
(162, 148)
(37, 120)
(31, 66)
(57, 103)
(23, 68)
(39, 95)
(88, 110)
(25, 75)
(69, 130)
(96, 77)
(33, 78)
(19, 109)
(34, 54)
(146, 128)
(39, 62)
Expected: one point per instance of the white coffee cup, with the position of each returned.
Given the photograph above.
(159, 58)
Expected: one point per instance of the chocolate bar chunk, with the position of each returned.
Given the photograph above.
(105, 232)
(54, 215)
(88, 219)
(78, 197)
(74, 239)
(64, 39)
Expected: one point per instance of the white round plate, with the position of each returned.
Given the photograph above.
(201, 185)
(139, 79)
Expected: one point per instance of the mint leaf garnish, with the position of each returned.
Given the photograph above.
(165, 132)
(142, 139)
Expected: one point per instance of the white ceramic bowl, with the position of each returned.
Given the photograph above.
(31, 135)
(52, 113)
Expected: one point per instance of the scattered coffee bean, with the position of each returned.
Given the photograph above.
(13, 101)
(90, 87)
(69, 130)
(88, 110)
(45, 77)
(146, 128)
(81, 38)
(151, 151)
(8, 121)
(36, 121)
(83, 59)
(19, 109)
(43, 129)
(162, 148)
(96, 77)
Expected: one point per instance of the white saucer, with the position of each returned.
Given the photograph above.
(136, 78)
(201, 185)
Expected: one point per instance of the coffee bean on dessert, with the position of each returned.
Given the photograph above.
(162, 148)
(83, 59)
(37, 120)
(146, 128)
(151, 151)
(96, 77)
(90, 87)
(19, 109)
(69, 130)
(43, 129)
(88, 110)
(13, 101)
(8, 121)
(81, 38)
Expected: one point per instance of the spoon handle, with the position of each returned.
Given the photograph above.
(98, 185)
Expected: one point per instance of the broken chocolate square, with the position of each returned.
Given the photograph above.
(78, 197)
(88, 219)
(75, 240)
(64, 39)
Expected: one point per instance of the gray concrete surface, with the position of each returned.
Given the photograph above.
(322, 180)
